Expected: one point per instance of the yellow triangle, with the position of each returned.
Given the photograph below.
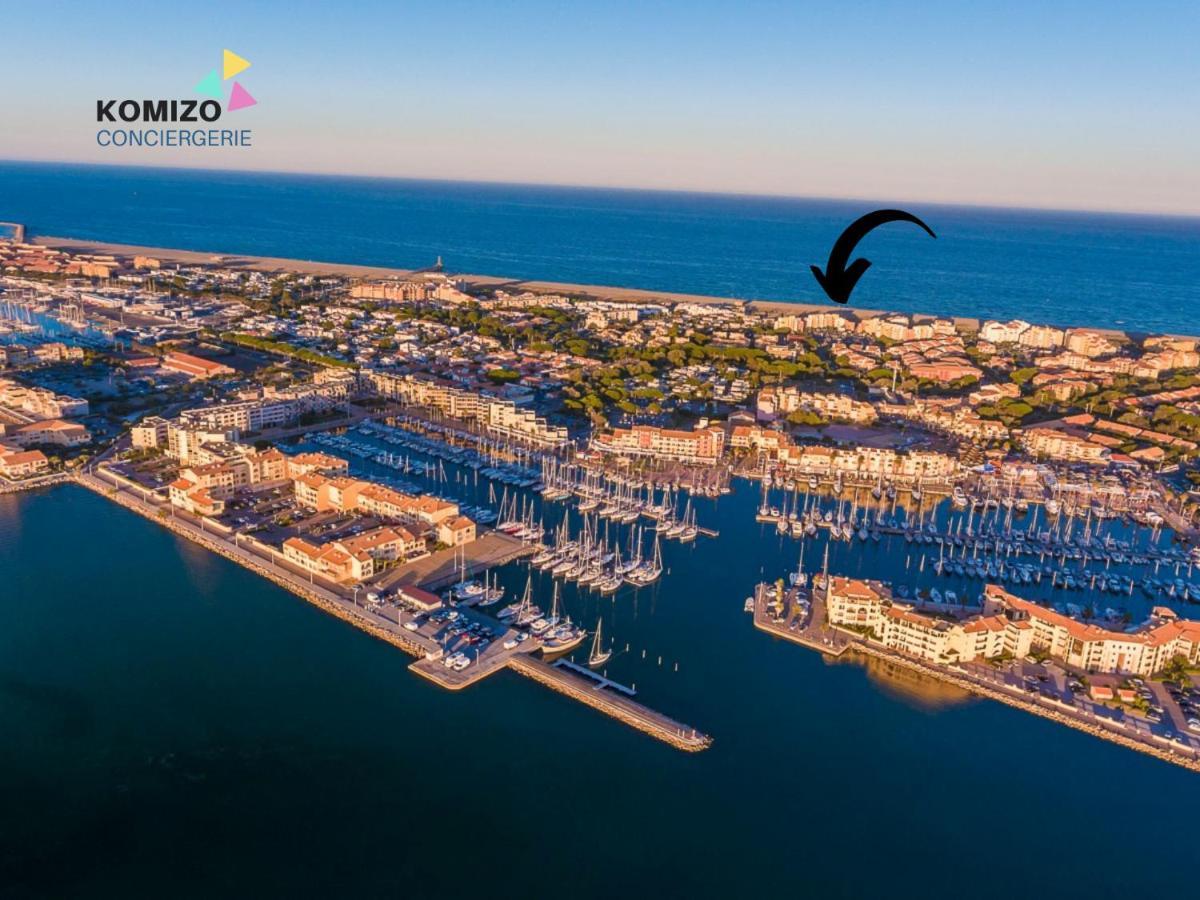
(234, 64)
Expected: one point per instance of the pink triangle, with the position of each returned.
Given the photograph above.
(239, 98)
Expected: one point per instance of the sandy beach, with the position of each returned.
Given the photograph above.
(350, 270)
(591, 291)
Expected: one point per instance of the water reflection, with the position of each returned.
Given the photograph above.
(916, 689)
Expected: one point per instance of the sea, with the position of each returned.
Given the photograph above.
(175, 725)
(1127, 272)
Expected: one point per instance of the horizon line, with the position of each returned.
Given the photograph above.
(1139, 213)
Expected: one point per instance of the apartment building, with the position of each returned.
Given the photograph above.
(38, 403)
(944, 370)
(22, 463)
(949, 416)
(48, 432)
(388, 542)
(1014, 626)
(273, 409)
(150, 433)
(852, 601)
(701, 445)
(1064, 446)
(827, 321)
(870, 462)
(499, 417)
(900, 328)
(1143, 650)
(1089, 343)
(186, 444)
(393, 291)
(50, 351)
(753, 437)
(904, 629)
(195, 498)
(322, 463)
(241, 416)
(215, 474)
(775, 402)
(816, 459)
(1003, 332)
(1042, 337)
(425, 514)
(328, 560)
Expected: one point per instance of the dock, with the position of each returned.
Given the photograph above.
(790, 624)
(601, 681)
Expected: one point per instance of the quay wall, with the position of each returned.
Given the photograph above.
(16, 487)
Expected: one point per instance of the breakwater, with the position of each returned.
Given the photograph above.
(632, 713)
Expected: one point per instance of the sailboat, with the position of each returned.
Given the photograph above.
(599, 656)
(493, 593)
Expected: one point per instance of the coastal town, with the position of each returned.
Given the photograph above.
(384, 443)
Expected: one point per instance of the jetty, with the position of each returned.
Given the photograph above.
(602, 681)
(634, 714)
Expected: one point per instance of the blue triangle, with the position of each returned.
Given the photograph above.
(210, 86)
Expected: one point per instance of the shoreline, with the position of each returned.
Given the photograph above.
(354, 270)
(249, 262)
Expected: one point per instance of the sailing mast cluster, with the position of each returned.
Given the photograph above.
(590, 559)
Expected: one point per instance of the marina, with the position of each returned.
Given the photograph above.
(601, 533)
(430, 636)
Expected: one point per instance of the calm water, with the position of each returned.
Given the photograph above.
(1131, 272)
(174, 723)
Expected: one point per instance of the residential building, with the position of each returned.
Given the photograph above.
(22, 463)
(704, 444)
(775, 402)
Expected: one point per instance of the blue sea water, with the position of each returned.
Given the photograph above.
(1137, 273)
(175, 725)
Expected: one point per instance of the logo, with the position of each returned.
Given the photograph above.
(212, 86)
(223, 94)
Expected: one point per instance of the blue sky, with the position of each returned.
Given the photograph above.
(1079, 105)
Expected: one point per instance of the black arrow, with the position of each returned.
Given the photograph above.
(838, 279)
